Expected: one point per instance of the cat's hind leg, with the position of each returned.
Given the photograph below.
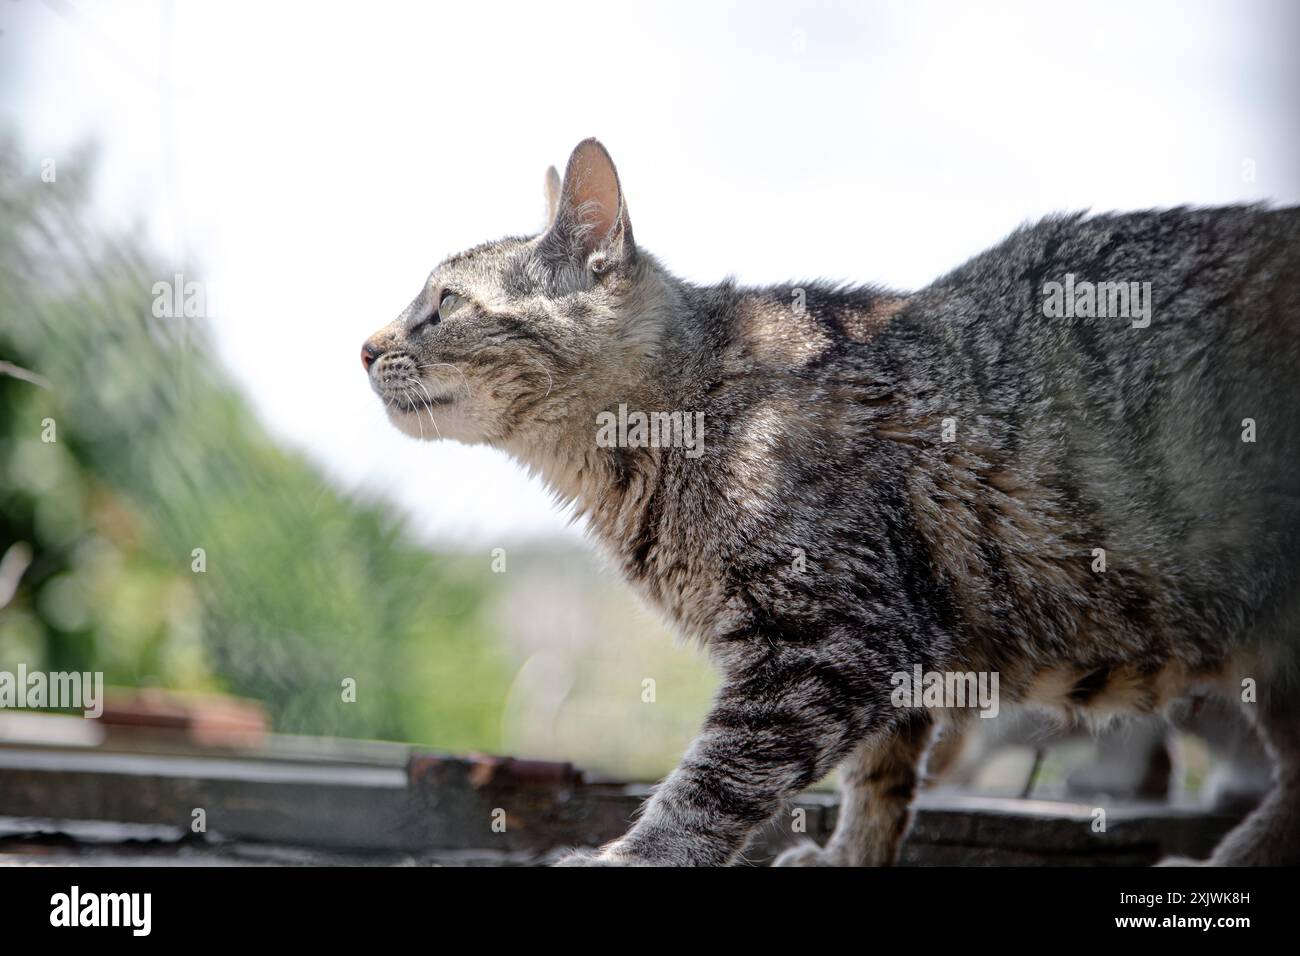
(1270, 835)
(878, 781)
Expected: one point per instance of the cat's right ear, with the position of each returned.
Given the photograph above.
(552, 195)
(590, 225)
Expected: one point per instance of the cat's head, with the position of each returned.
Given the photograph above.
(508, 340)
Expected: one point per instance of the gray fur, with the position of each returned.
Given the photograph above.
(829, 537)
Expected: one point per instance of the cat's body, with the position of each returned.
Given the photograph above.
(898, 481)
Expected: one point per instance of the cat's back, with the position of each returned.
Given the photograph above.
(838, 412)
(1137, 292)
(1145, 368)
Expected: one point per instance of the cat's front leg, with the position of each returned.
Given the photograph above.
(777, 726)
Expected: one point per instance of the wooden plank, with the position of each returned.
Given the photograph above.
(492, 808)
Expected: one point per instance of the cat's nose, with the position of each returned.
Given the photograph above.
(368, 355)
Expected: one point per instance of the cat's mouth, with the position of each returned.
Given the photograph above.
(418, 404)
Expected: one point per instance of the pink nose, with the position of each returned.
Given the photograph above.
(368, 355)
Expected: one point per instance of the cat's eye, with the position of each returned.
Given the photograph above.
(451, 301)
(449, 304)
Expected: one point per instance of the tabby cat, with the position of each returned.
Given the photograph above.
(1067, 469)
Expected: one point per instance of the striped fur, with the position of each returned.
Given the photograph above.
(830, 536)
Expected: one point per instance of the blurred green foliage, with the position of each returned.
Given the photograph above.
(156, 455)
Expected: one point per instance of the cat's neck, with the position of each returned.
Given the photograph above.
(660, 357)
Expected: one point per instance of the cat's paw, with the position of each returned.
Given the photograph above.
(808, 854)
(606, 857)
(582, 858)
(1181, 861)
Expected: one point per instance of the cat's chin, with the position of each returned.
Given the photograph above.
(428, 423)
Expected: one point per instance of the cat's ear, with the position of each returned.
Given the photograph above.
(552, 195)
(591, 223)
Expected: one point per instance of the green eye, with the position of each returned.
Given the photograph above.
(449, 304)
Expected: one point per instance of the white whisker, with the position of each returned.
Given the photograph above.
(550, 382)
(406, 390)
(429, 408)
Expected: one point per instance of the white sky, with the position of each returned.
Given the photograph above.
(319, 158)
